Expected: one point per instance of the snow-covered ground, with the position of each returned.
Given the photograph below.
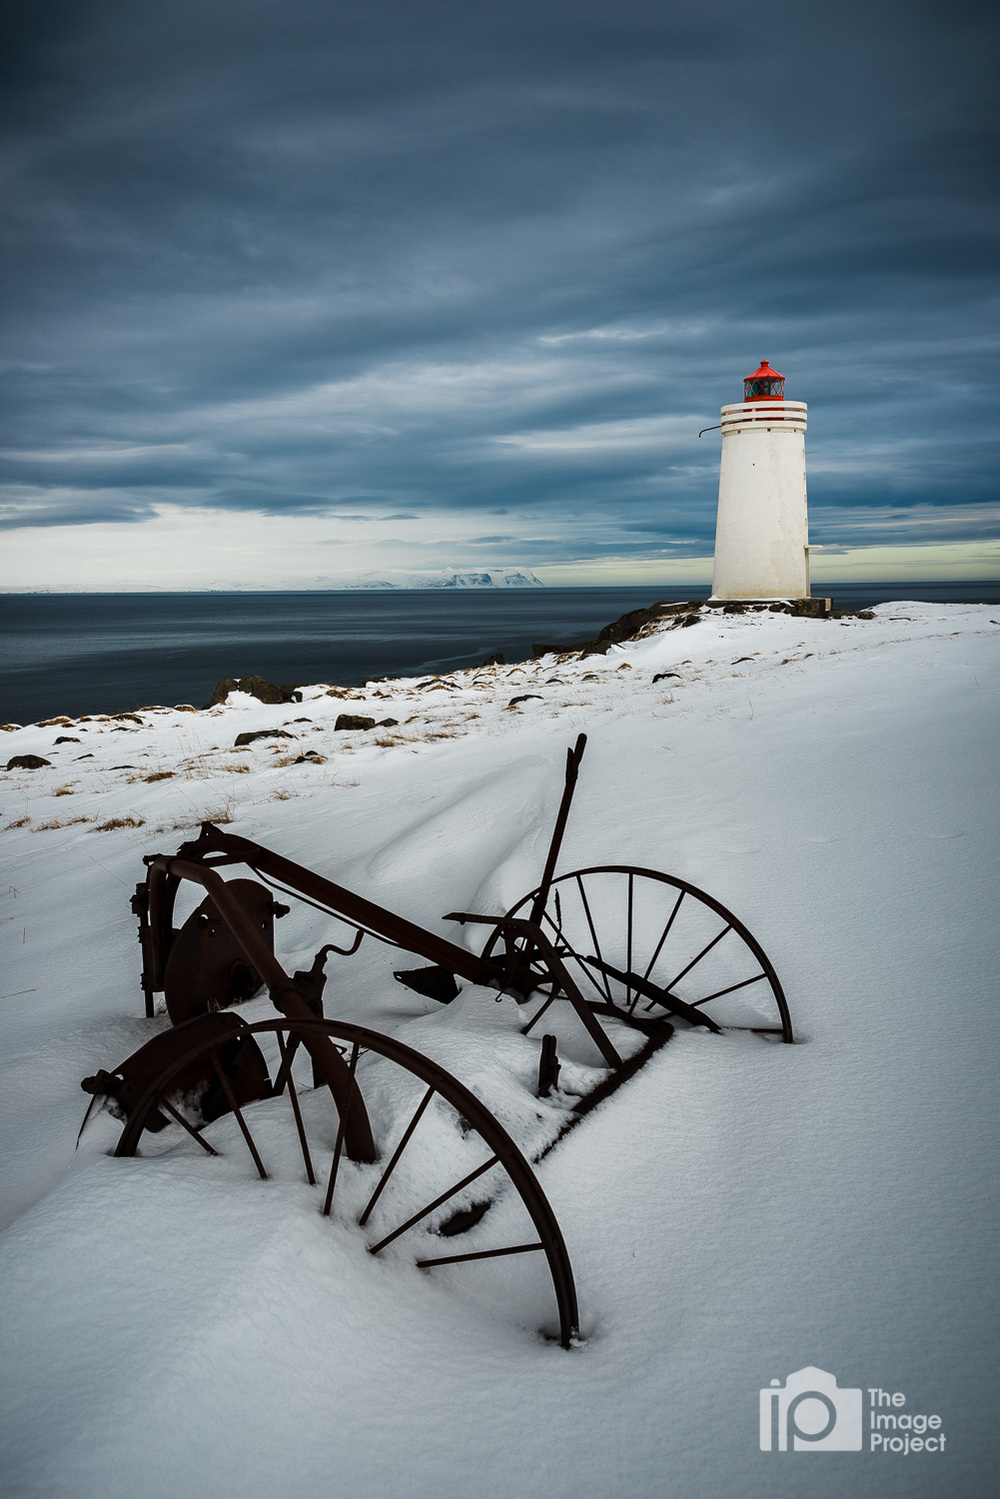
(738, 1211)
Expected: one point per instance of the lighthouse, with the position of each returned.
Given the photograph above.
(762, 529)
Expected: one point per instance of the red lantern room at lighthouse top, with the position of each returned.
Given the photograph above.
(765, 384)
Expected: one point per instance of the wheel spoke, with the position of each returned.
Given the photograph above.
(286, 1069)
(537, 1017)
(231, 1099)
(466, 1180)
(664, 935)
(759, 1030)
(404, 1141)
(704, 953)
(730, 990)
(606, 990)
(481, 1254)
(341, 1130)
(186, 1124)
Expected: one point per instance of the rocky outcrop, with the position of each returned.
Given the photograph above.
(256, 686)
(222, 691)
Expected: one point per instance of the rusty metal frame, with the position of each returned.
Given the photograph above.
(328, 1062)
(503, 1150)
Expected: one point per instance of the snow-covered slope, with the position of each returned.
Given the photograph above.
(737, 1211)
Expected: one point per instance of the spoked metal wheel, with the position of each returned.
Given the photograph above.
(643, 942)
(450, 1188)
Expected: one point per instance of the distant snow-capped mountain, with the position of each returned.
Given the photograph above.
(492, 577)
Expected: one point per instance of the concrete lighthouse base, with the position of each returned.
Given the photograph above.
(808, 607)
(762, 534)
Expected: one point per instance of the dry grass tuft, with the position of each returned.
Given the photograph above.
(22, 822)
(160, 775)
(114, 823)
(67, 822)
(222, 816)
(63, 791)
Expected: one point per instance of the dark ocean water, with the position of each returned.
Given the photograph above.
(105, 653)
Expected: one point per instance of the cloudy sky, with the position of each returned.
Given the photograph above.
(296, 289)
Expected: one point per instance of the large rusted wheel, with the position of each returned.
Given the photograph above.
(646, 942)
(450, 1187)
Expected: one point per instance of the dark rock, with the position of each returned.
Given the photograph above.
(68, 739)
(353, 721)
(250, 738)
(661, 676)
(290, 692)
(131, 717)
(498, 660)
(222, 691)
(124, 767)
(387, 723)
(740, 659)
(631, 625)
(307, 757)
(85, 757)
(523, 698)
(262, 689)
(27, 762)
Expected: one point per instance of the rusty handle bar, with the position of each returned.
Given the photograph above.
(358, 1141)
(573, 758)
(343, 902)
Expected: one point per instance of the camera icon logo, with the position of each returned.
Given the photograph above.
(809, 1414)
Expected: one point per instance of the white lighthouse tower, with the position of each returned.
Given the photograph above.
(762, 530)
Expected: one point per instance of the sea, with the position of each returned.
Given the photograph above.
(66, 653)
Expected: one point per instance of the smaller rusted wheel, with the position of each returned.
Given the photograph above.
(449, 1187)
(646, 942)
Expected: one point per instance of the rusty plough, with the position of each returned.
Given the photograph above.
(611, 958)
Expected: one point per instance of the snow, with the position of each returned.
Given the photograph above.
(736, 1211)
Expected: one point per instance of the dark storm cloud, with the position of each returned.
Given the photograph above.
(409, 258)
